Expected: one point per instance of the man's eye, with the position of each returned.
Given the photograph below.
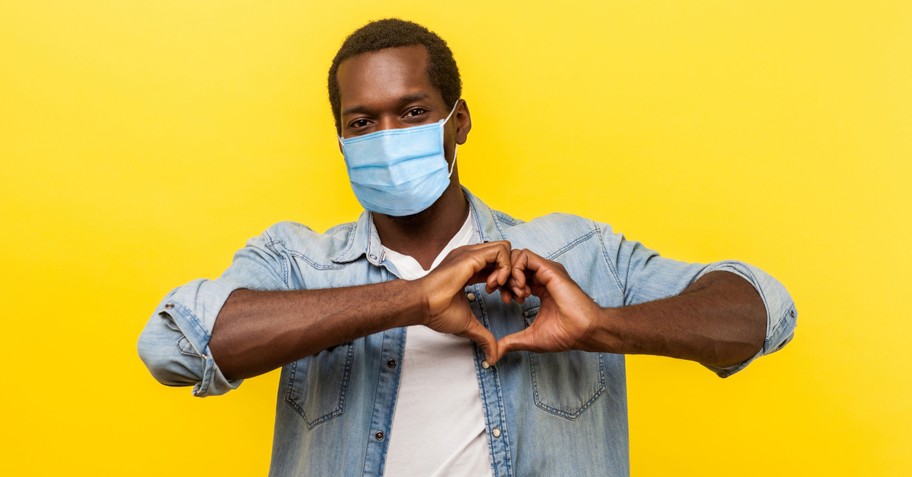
(414, 112)
(358, 123)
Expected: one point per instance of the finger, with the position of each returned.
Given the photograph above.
(532, 261)
(485, 253)
(518, 283)
(501, 262)
(483, 338)
(509, 295)
(506, 295)
(482, 262)
(518, 262)
(541, 272)
(521, 340)
(517, 294)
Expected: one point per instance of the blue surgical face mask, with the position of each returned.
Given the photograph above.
(398, 172)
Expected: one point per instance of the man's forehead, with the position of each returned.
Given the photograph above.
(416, 55)
(398, 70)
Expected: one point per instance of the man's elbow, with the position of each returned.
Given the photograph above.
(165, 362)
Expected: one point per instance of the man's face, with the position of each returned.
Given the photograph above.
(390, 89)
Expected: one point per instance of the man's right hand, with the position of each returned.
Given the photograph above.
(258, 331)
(447, 309)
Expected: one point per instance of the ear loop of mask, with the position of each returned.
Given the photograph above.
(455, 146)
(453, 165)
(455, 105)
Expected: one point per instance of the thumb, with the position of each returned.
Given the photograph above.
(521, 340)
(483, 338)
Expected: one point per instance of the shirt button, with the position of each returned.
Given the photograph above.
(379, 435)
(485, 365)
(792, 313)
(495, 432)
(391, 364)
(372, 256)
(169, 306)
(470, 296)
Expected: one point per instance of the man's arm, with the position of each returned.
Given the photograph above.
(719, 320)
(257, 331)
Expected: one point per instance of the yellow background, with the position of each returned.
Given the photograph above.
(143, 142)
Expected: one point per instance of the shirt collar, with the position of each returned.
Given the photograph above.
(363, 238)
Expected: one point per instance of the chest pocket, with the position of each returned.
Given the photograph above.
(565, 384)
(316, 386)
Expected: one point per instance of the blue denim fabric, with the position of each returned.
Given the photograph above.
(547, 414)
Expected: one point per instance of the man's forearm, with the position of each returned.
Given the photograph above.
(258, 331)
(719, 320)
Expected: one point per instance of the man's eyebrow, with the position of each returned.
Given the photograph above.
(413, 97)
(355, 109)
(409, 98)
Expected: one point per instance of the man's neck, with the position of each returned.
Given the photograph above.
(422, 236)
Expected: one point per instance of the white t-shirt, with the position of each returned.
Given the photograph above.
(438, 424)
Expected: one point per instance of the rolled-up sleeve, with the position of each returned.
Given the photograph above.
(781, 315)
(646, 276)
(175, 342)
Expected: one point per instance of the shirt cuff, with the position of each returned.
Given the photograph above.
(193, 309)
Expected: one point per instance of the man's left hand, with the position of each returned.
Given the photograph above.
(567, 316)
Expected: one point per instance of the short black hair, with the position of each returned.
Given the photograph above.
(391, 33)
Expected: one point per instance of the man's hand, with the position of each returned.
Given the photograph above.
(447, 309)
(719, 320)
(567, 316)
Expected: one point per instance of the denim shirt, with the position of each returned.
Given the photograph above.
(546, 414)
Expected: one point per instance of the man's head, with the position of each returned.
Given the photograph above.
(395, 92)
(442, 71)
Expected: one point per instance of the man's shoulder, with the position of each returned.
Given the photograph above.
(549, 233)
(295, 236)
(290, 230)
(557, 220)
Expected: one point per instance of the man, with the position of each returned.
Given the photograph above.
(505, 359)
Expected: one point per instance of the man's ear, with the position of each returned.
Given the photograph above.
(463, 122)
